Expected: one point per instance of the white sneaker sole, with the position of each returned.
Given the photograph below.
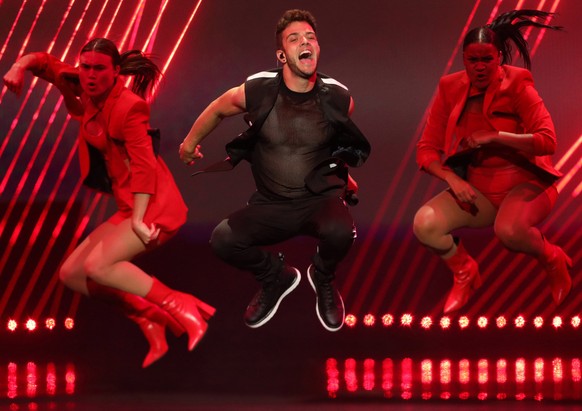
(276, 307)
(327, 327)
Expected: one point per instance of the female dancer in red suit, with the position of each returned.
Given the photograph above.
(114, 133)
(496, 137)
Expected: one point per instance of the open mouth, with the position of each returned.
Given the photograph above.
(305, 54)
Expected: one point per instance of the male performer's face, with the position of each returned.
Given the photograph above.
(481, 62)
(300, 49)
(97, 74)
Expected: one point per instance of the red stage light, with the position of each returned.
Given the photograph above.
(369, 320)
(445, 323)
(12, 325)
(538, 322)
(332, 377)
(387, 377)
(406, 320)
(576, 372)
(445, 377)
(557, 322)
(501, 322)
(50, 323)
(464, 322)
(501, 378)
(426, 322)
(30, 324)
(519, 322)
(482, 322)
(575, 321)
(369, 374)
(464, 378)
(557, 370)
(70, 378)
(426, 379)
(350, 375)
(69, 323)
(12, 391)
(406, 378)
(387, 320)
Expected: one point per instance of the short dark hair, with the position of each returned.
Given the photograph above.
(291, 16)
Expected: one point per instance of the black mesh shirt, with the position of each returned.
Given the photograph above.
(294, 138)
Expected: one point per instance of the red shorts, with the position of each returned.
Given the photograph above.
(496, 182)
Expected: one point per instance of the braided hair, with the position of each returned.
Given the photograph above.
(507, 28)
(146, 74)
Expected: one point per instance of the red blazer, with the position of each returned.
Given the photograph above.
(128, 151)
(511, 104)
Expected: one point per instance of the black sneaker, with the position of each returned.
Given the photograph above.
(329, 305)
(264, 304)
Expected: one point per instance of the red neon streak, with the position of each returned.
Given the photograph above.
(24, 178)
(115, 13)
(171, 56)
(569, 175)
(25, 43)
(387, 241)
(9, 36)
(155, 26)
(49, 247)
(130, 25)
(23, 47)
(35, 116)
(356, 267)
(543, 31)
(97, 20)
(80, 229)
(132, 41)
(39, 224)
(420, 284)
(569, 153)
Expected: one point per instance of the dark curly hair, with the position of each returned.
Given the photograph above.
(506, 28)
(146, 74)
(289, 17)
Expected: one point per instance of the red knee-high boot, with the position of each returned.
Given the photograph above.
(150, 318)
(187, 310)
(556, 263)
(466, 278)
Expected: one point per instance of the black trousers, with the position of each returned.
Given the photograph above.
(237, 240)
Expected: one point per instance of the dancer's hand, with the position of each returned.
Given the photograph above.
(481, 137)
(462, 190)
(188, 156)
(145, 233)
(14, 78)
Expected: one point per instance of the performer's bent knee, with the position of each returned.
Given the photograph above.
(510, 235)
(425, 225)
(222, 240)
